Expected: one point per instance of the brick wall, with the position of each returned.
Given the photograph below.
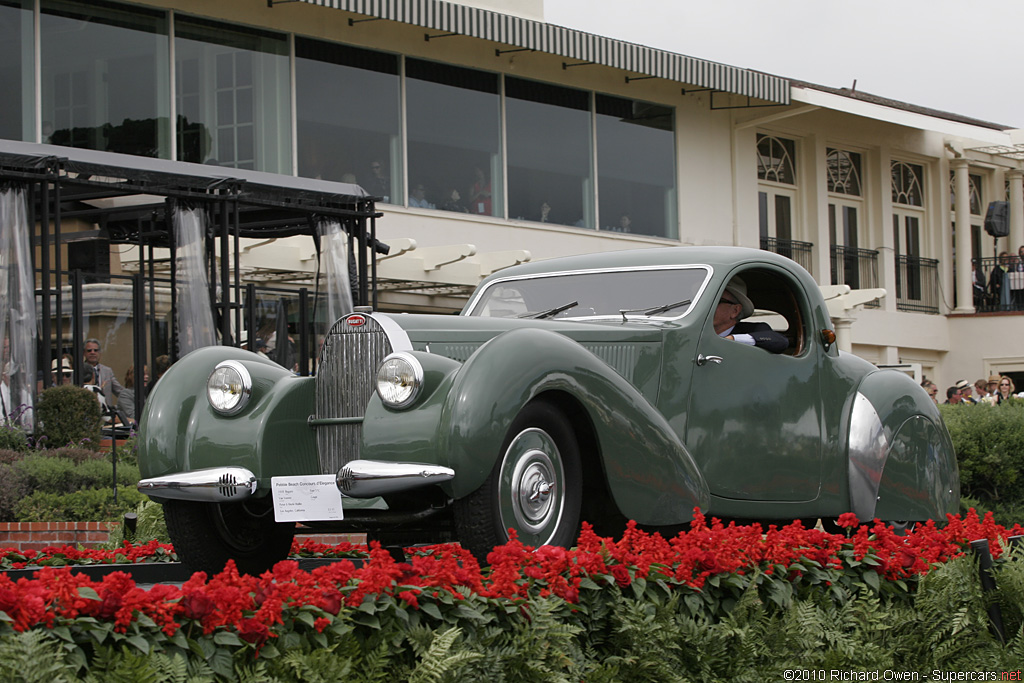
(38, 535)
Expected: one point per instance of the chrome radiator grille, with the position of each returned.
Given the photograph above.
(345, 380)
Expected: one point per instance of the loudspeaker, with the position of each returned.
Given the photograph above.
(997, 219)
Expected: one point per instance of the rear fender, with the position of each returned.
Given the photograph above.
(902, 466)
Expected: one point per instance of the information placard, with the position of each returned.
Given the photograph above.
(306, 498)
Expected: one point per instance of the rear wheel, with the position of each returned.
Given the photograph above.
(207, 535)
(534, 488)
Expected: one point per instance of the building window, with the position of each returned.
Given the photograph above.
(851, 265)
(548, 137)
(843, 172)
(104, 77)
(454, 130)
(907, 218)
(776, 159)
(636, 166)
(17, 121)
(906, 183)
(233, 96)
(776, 169)
(348, 132)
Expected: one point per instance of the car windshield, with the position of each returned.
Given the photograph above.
(644, 293)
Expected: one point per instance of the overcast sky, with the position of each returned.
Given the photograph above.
(954, 55)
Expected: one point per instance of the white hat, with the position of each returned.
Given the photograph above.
(66, 366)
(738, 288)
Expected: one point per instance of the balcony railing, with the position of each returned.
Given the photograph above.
(791, 249)
(1003, 288)
(855, 267)
(917, 284)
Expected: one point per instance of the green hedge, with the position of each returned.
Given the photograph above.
(65, 485)
(989, 444)
(68, 415)
(87, 505)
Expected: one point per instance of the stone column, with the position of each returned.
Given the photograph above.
(962, 244)
(843, 334)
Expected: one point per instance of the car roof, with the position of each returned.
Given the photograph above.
(719, 258)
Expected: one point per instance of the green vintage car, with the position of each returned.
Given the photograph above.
(590, 388)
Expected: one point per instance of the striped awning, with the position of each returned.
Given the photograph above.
(450, 17)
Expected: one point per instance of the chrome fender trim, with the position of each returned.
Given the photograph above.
(371, 478)
(210, 485)
(868, 448)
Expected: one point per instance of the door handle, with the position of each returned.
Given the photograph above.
(703, 360)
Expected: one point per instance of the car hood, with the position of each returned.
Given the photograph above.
(632, 348)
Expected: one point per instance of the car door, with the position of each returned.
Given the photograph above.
(754, 418)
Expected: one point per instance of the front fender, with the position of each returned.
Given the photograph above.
(652, 477)
(179, 431)
(902, 465)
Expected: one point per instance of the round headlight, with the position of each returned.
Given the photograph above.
(229, 387)
(399, 380)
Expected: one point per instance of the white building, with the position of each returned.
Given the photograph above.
(627, 147)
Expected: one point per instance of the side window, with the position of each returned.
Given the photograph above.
(777, 301)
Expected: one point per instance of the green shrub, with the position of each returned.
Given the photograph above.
(87, 505)
(989, 444)
(74, 454)
(44, 473)
(149, 527)
(13, 438)
(12, 489)
(128, 452)
(50, 474)
(67, 415)
(97, 474)
(8, 457)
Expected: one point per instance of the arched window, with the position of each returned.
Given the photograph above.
(843, 172)
(906, 183)
(776, 159)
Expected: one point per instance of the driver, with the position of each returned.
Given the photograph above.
(733, 307)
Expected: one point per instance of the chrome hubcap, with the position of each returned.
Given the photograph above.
(532, 487)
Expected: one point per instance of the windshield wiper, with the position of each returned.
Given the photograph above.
(551, 312)
(667, 307)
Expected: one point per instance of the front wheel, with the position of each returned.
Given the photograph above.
(534, 488)
(207, 535)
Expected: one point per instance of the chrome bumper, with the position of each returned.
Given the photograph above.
(211, 485)
(371, 478)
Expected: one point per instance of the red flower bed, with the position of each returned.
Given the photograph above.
(252, 607)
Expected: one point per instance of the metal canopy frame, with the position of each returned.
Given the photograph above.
(131, 200)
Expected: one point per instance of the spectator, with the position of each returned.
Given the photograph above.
(62, 371)
(953, 396)
(453, 202)
(480, 193)
(418, 198)
(931, 388)
(981, 390)
(105, 378)
(1005, 389)
(380, 182)
(160, 366)
(978, 278)
(126, 401)
(998, 285)
(965, 392)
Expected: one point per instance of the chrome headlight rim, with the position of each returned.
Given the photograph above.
(243, 395)
(415, 386)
